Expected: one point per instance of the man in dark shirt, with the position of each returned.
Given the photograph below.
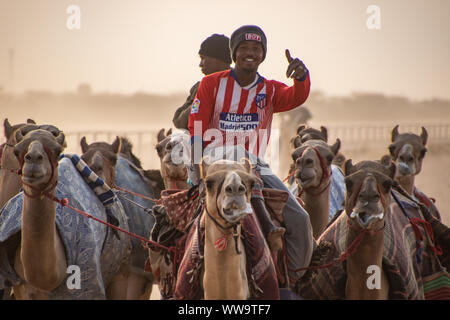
(214, 56)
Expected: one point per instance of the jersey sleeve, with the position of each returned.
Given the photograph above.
(287, 98)
(201, 109)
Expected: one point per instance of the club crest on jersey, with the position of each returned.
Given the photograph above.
(260, 100)
(253, 37)
(195, 106)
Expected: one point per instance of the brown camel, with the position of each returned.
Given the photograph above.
(102, 158)
(10, 182)
(408, 151)
(312, 162)
(367, 204)
(173, 158)
(40, 258)
(228, 191)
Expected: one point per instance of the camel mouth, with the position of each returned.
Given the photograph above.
(234, 215)
(365, 219)
(404, 169)
(30, 179)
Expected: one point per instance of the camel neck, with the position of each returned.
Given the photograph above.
(317, 205)
(170, 183)
(407, 183)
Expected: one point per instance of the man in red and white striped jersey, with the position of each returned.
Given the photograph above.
(233, 110)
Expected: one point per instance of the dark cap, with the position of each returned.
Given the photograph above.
(245, 33)
(216, 46)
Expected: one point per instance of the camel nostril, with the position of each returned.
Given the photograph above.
(228, 189)
(241, 189)
(28, 157)
(40, 157)
(308, 161)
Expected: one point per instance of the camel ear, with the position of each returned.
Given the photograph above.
(61, 139)
(19, 136)
(160, 136)
(169, 132)
(394, 133)
(300, 128)
(206, 162)
(424, 136)
(324, 133)
(8, 128)
(247, 164)
(116, 145)
(336, 146)
(392, 150)
(84, 145)
(348, 167)
(296, 142)
(386, 185)
(31, 121)
(386, 160)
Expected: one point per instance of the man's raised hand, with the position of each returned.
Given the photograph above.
(296, 69)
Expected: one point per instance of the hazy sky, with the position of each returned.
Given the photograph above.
(145, 45)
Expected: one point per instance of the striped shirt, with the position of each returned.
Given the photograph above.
(241, 115)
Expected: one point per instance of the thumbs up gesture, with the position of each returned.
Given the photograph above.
(296, 69)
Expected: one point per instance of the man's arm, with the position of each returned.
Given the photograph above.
(287, 98)
(181, 116)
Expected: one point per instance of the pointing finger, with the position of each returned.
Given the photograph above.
(288, 55)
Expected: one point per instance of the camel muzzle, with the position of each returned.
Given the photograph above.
(365, 219)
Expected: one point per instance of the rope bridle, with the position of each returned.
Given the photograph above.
(325, 174)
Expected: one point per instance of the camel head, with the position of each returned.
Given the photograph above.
(101, 157)
(305, 133)
(228, 189)
(368, 186)
(37, 152)
(174, 153)
(407, 151)
(312, 161)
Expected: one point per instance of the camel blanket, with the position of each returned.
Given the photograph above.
(405, 264)
(88, 244)
(261, 272)
(141, 223)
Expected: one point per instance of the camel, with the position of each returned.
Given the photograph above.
(10, 182)
(408, 151)
(117, 165)
(312, 160)
(374, 243)
(48, 239)
(174, 156)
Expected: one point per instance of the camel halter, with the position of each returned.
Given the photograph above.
(48, 187)
(222, 243)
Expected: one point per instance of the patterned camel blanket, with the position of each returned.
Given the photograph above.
(261, 272)
(140, 222)
(405, 263)
(90, 245)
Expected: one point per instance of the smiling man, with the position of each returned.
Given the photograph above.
(232, 115)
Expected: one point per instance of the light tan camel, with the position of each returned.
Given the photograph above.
(367, 204)
(40, 259)
(10, 182)
(312, 161)
(228, 190)
(172, 157)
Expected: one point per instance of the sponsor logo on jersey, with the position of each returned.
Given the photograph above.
(238, 122)
(260, 100)
(252, 36)
(195, 106)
